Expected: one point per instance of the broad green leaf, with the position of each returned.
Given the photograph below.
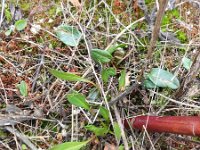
(115, 47)
(105, 113)
(106, 73)
(68, 35)
(101, 56)
(117, 131)
(163, 78)
(20, 24)
(187, 63)
(70, 146)
(67, 76)
(98, 131)
(149, 84)
(122, 80)
(23, 88)
(78, 100)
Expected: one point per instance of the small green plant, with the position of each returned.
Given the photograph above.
(8, 15)
(182, 36)
(161, 78)
(68, 35)
(78, 99)
(98, 131)
(23, 88)
(187, 63)
(101, 56)
(20, 24)
(10, 30)
(106, 73)
(171, 14)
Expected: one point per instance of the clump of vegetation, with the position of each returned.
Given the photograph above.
(88, 75)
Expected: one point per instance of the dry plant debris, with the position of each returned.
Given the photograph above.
(71, 71)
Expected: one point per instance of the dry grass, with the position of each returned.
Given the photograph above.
(49, 118)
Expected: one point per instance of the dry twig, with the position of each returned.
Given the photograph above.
(21, 137)
(189, 79)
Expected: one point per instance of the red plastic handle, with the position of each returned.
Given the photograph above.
(187, 125)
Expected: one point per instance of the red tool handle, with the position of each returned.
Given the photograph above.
(187, 125)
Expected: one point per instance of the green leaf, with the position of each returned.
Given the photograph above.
(68, 35)
(106, 73)
(8, 32)
(24, 147)
(78, 100)
(93, 94)
(182, 36)
(187, 63)
(122, 80)
(149, 84)
(121, 147)
(20, 24)
(165, 20)
(112, 49)
(117, 131)
(163, 78)
(68, 76)
(70, 146)
(175, 13)
(101, 56)
(8, 15)
(98, 131)
(105, 113)
(23, 88)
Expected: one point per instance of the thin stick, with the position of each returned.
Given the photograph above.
(122, 95)
(21, 137)
(156, 30)
(119, 121)
(123, 31)
(2, 10)
(175, 101)
(154, 35)
(146, 132)
(189, 79)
